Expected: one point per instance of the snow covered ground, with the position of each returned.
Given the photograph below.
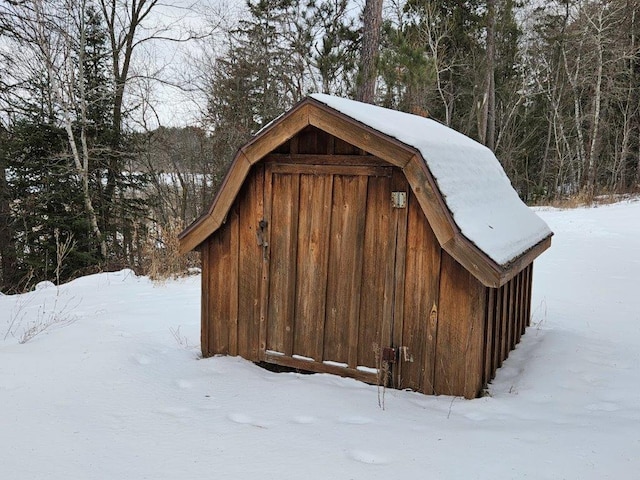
(115, 389)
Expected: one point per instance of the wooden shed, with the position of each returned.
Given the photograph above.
(352, 239)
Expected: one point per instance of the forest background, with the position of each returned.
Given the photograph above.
(100, 167)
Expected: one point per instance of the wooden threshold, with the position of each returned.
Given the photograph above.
(320, 367)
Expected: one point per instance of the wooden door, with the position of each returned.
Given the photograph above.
(334, 260)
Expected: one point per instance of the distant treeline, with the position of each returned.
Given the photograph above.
(552, 87)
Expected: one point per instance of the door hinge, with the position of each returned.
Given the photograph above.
(399, 199)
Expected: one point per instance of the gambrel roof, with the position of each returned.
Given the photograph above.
(463, 190)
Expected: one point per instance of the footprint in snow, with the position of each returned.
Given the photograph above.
(355, 420)
(475, 416)
(176, 412)
(369, 458)
(603, 407)
(304, 419)
(141, 359)
(243, 419)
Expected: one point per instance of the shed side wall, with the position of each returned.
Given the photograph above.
(507, 316)
(231, 272)
(460, 335)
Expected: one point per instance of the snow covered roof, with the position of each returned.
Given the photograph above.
(477, 192)
(474, 212)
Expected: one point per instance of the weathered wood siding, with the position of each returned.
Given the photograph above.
(314, 269)
(508, 311)
(459, 355)
(231, 273)
(421, 299)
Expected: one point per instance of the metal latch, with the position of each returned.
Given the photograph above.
(399, 199)
(389, 355)
(262, 238)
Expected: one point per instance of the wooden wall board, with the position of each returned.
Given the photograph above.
(344, 274)
(311, 271)
(497, 346)
(529, 276)
(283, 246)
(421, 301)
(232, 278)
(250, 265)
(205, 316)
(504, 340)
(377, 272)
(459, 356)
(219, 301)
(490, 335)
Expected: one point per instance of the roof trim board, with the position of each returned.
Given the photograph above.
(410, 159)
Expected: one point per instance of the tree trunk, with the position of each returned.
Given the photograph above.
(369, 53)
(488, 132)
(595, 126)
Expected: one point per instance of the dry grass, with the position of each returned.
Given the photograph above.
(584, 200)
(162, 253)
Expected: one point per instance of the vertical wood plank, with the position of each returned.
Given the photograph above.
(283, 254)
(489, 336)
(400, 219)
(529, 292)
(495, 331)
(497, 346)
(420, 297)
(205, 317)
(377, 268)
(343, 148)
(266, 255)
(293, 144)
(311, 278)
(510, 326)
(219, 290)
(308, 140)
(344, 273)
(250, 265)
(232, 276)
(518, 280)
(504, 340)
(510, 317)
(515, 315)
(523, 301)
(459, 364)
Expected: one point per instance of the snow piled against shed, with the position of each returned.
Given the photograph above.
(473, 184)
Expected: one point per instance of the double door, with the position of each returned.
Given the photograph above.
(335, 245)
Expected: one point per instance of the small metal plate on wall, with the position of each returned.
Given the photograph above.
(399, 199)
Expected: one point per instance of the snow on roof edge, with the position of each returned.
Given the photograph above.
(473, 184)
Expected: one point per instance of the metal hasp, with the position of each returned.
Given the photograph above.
(389, 355)
(399, 199)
